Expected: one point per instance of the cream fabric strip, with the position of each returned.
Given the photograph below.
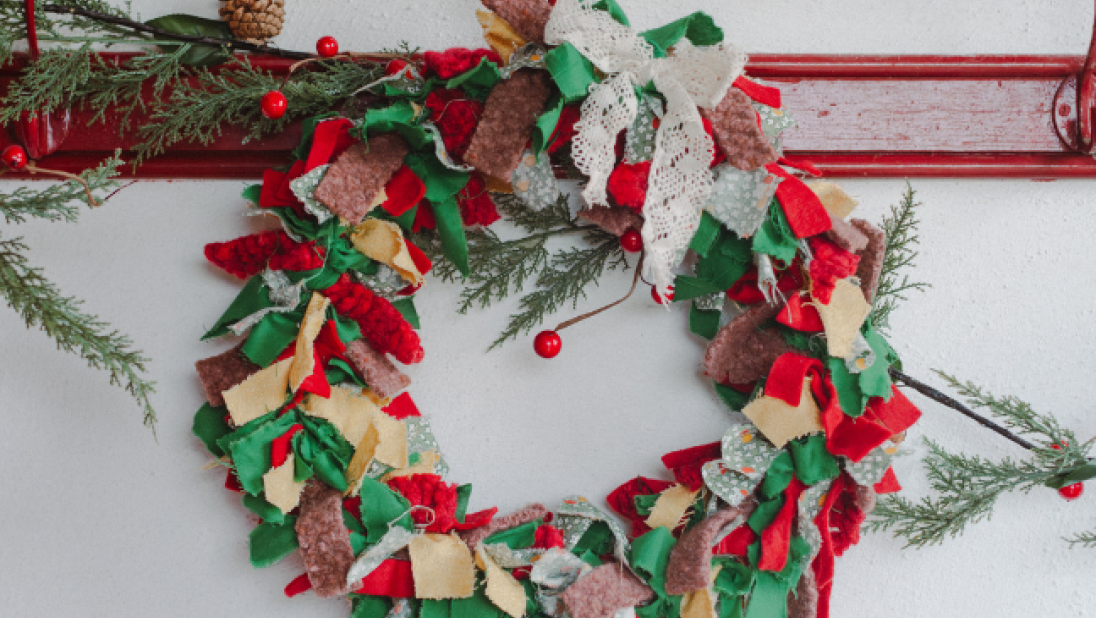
(680, 180)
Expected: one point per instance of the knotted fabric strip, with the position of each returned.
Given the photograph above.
(680, 180)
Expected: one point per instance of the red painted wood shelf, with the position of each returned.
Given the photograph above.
(858, 116)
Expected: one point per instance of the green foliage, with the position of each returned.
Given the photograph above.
(58, 78)
(900, 228)
(501, 267)
(58, 202)
(53, 25)
(41, 304)
(196, 55)
(1083, 539)
(199, 110)
(968, 487)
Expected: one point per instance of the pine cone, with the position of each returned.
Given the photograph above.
(255, 21)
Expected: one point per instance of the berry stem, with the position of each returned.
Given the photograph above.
(635, 280)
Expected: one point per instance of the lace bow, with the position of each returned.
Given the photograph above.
(691, 77)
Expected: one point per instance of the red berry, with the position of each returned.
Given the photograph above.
(547, 344)
(1072, 492)
(655, 296)
(14, 157)
(327, 46)
(631, 241)
(1057, 447)
(274, 104)
(394, 66)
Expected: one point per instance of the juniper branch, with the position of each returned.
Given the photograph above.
(1083, 539)
(59, 202)
(968, 487)
(199, 111)
(900, 229)
(565, 280)
(41, 305)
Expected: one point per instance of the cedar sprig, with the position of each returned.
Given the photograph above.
(39, 302)
(56, 80)
(59, 202)
(58, 25)
(900, 230)
(1020, 416)
(968, 487)
(199, 111)
(564, 282)
(41, 305)
(1083, 539)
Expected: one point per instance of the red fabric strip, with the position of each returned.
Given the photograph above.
(786, 377)
(765, 95)
(800, 316)
(279, 448)
(805, 213)
(392, 578)
(622, 500)
(855, 438)
(775, 539)
(477, 519)
(801, 165)
(298, 585)
(888, 484)
(686, 464)
(422, 262)
(737, 543)
(330, 139)
(402, 407)
(403, 191)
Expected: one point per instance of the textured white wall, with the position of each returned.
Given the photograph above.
(98, 519)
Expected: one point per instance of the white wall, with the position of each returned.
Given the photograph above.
(96, 518)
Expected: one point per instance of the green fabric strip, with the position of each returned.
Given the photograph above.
(432, 608)
(572, 72)
(253, 297)
(546, 124)
(251, 454)
(813, 463)
(451, 230)
(778, 476)
(775, 236)
(477, 82)
(271, 336)
(764, 514)
(367, 606)
(848, 388)
(613, 9)
(210, 426)
(270, 542)
(519, 537)
(396, 118)
(263, 509)
(699, 28)
(406, 307)
(703, 323)
(475, 606)
(381, 505)
(706, 234)
(733, 399)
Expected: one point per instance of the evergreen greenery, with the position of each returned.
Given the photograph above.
(499, 267)
(968, 487)
(900, 228)
(42, 305)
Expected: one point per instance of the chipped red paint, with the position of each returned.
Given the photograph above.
(859, 116)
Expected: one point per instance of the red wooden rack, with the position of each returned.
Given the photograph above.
(858, 116)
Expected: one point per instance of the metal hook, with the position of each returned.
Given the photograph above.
(1074, 108)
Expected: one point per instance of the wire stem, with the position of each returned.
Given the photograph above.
(635, 280)
(939, 397)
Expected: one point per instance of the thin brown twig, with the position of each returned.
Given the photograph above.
(635, 280)
(34, 169)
